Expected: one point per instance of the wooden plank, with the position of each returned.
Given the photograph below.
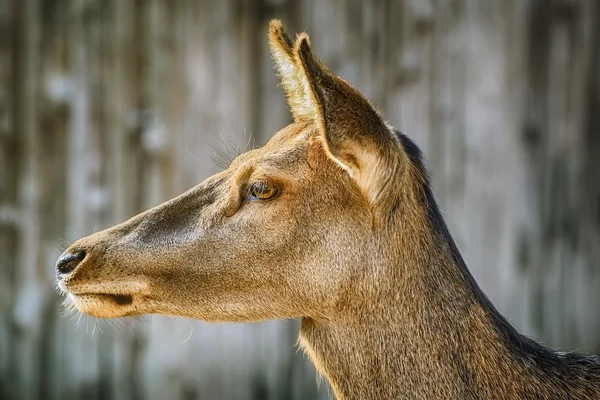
(571, 47)
(80, 358)
(9, 213)
(53, 98)
(26, 308)
(488, 156)
(411, 25)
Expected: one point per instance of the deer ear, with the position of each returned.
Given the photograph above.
(354, 134)
(290, 73)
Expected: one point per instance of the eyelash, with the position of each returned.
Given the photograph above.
(265, 187)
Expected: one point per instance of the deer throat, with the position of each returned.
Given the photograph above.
(425, 340)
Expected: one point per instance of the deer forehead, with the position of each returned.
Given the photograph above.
(286, 153)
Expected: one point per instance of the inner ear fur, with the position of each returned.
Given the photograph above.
(290, 74)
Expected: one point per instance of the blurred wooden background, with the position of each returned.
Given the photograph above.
(108, 107)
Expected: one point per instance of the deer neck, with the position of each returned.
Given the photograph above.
(422, 330)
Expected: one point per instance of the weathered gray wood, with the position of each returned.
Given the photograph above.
(561, 127)
(9, 213)
(28, 295)
(109, 107)
(9, 220)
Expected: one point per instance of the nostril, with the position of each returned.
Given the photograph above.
(69, 261)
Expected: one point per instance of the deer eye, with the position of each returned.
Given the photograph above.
(263, 190)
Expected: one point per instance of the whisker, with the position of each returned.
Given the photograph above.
(64, 242)
(120, 328)
(115, 327)
(100, 322)
(191, 332)
(94, 328)
(143, 319)
(250, 137)
(68, 308)
(223, 160)
(190, 153)
(131, 324)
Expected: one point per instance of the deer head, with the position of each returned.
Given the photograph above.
(284, 232)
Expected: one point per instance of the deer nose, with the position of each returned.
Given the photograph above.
(67, 262)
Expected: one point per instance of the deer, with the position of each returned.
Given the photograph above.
(334, 222)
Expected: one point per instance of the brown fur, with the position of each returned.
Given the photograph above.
(353, 244)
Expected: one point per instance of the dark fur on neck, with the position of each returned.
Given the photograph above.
(564, 373)
(455, 344)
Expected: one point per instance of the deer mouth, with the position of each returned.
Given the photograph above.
(102, 302)
(118, 299)
(103, 305)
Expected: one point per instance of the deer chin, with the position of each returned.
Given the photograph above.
(121, 302)
(101, 305)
